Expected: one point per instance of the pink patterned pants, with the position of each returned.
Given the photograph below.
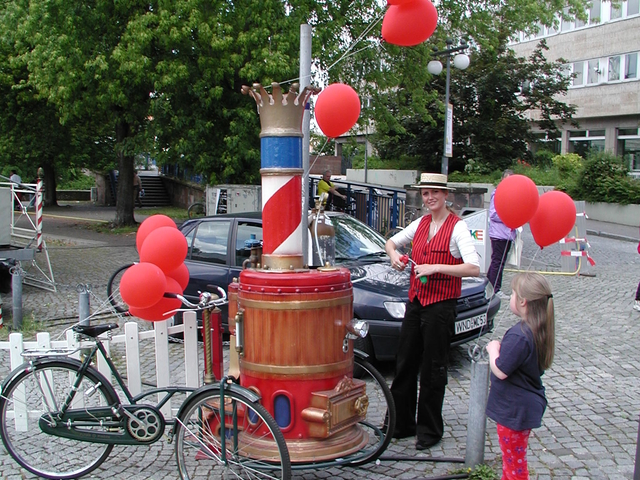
(514, 453)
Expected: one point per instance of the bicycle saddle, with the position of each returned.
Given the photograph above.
(94, 330)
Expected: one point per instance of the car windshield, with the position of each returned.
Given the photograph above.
(355, 240)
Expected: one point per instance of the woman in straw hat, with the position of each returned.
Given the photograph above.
(443, 252)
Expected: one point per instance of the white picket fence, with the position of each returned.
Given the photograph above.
(132, 339)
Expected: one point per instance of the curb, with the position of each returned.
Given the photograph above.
(613, 236)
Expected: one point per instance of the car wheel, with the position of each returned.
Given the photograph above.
(366, 346)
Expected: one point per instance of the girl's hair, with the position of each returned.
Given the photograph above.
(535, 289)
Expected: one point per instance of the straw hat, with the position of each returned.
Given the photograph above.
(433, 180)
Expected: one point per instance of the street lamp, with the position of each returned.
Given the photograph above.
(460, 61)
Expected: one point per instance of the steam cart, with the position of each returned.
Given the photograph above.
(296, 394)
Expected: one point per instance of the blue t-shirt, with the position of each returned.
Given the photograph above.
(517, 402)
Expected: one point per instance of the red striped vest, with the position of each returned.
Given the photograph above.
(438, 286)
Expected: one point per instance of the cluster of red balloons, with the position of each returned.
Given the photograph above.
(409, 22)
(161, 270)
(551, 215)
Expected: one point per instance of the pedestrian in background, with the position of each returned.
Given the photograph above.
(442, 253)
(501, 238)
(517, 398)
(137, 188)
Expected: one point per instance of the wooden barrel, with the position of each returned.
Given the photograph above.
(294, 326)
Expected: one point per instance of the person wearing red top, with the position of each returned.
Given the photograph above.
(443, 252)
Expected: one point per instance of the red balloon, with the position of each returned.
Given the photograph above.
(165, 247)
(516, 200)
(162, 309)
(398, 2)
(337, 109)
(142, 285)
(409, 23)
(554, 218)
(149, 225)
(181, 275)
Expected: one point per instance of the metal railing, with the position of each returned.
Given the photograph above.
(382, 208)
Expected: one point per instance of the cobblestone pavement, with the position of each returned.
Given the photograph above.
(589, 430)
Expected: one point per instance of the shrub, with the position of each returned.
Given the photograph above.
(569, 163)
(605, 178)
(543, 158)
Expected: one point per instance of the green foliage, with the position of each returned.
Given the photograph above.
(479, 472)
(543, 158)
(568, 163)
(605, 178)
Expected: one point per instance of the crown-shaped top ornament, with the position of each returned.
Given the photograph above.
(280, 115)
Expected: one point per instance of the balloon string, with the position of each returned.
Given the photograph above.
(346, 53)
(317, 155)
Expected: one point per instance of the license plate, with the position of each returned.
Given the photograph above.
(471, 323)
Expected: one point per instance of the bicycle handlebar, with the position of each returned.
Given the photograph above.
(206, 300)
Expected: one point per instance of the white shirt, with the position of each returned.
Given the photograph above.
(15, 178)
(461, 245)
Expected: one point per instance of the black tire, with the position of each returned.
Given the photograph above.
(196, 210)
(381, 413)
(113, 290)
(255, 449)
(365, 345)
(49, 383)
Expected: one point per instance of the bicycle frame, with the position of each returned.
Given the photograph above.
(63, 419)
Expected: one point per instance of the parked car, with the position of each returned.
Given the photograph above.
(218, 246)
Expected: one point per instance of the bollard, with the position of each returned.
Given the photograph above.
(16, 287)
(477, 421)
(83, 305)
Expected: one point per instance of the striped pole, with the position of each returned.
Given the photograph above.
(281, 170)
(39, 214)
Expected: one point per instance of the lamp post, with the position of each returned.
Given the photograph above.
(460, 61)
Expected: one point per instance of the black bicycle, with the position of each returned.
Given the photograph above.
(60, 417)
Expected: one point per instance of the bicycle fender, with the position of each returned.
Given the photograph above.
(360, 354)
(229, 387)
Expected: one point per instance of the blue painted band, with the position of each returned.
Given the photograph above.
(281, 152)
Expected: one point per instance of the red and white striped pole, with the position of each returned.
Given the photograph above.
(281, 170)
(39, 214)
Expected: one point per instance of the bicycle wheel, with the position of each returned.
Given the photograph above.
(196, 210)
(113, 290)
(381, 413)
(254, 446)
(37, 393)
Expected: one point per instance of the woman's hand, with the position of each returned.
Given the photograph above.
(425, 270)
(493, 348)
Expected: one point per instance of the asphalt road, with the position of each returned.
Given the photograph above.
(589, 430)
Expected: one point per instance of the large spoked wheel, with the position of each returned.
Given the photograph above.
(253, 447)
(196, 210)
(381, 413)
(38, 394)
(113, 290)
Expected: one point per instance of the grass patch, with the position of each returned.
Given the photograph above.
(178, 214)
(29, 328)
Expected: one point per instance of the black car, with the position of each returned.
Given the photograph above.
(219, 245)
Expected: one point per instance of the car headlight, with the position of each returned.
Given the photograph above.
(395, 309)
(488, 291)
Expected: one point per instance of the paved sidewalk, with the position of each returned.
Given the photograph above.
(589, 430)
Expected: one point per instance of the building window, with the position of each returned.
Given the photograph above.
(584, 142)
(631, 65)
(594, 71)
(633, 7)
(565, 25)
(629, 147)
(614, 68)
(578, 77)
(594, 12)
(616, 11)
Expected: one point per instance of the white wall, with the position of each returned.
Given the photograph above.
(386, 178)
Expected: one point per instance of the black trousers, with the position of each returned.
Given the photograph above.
(499, 252)
(425, 337)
